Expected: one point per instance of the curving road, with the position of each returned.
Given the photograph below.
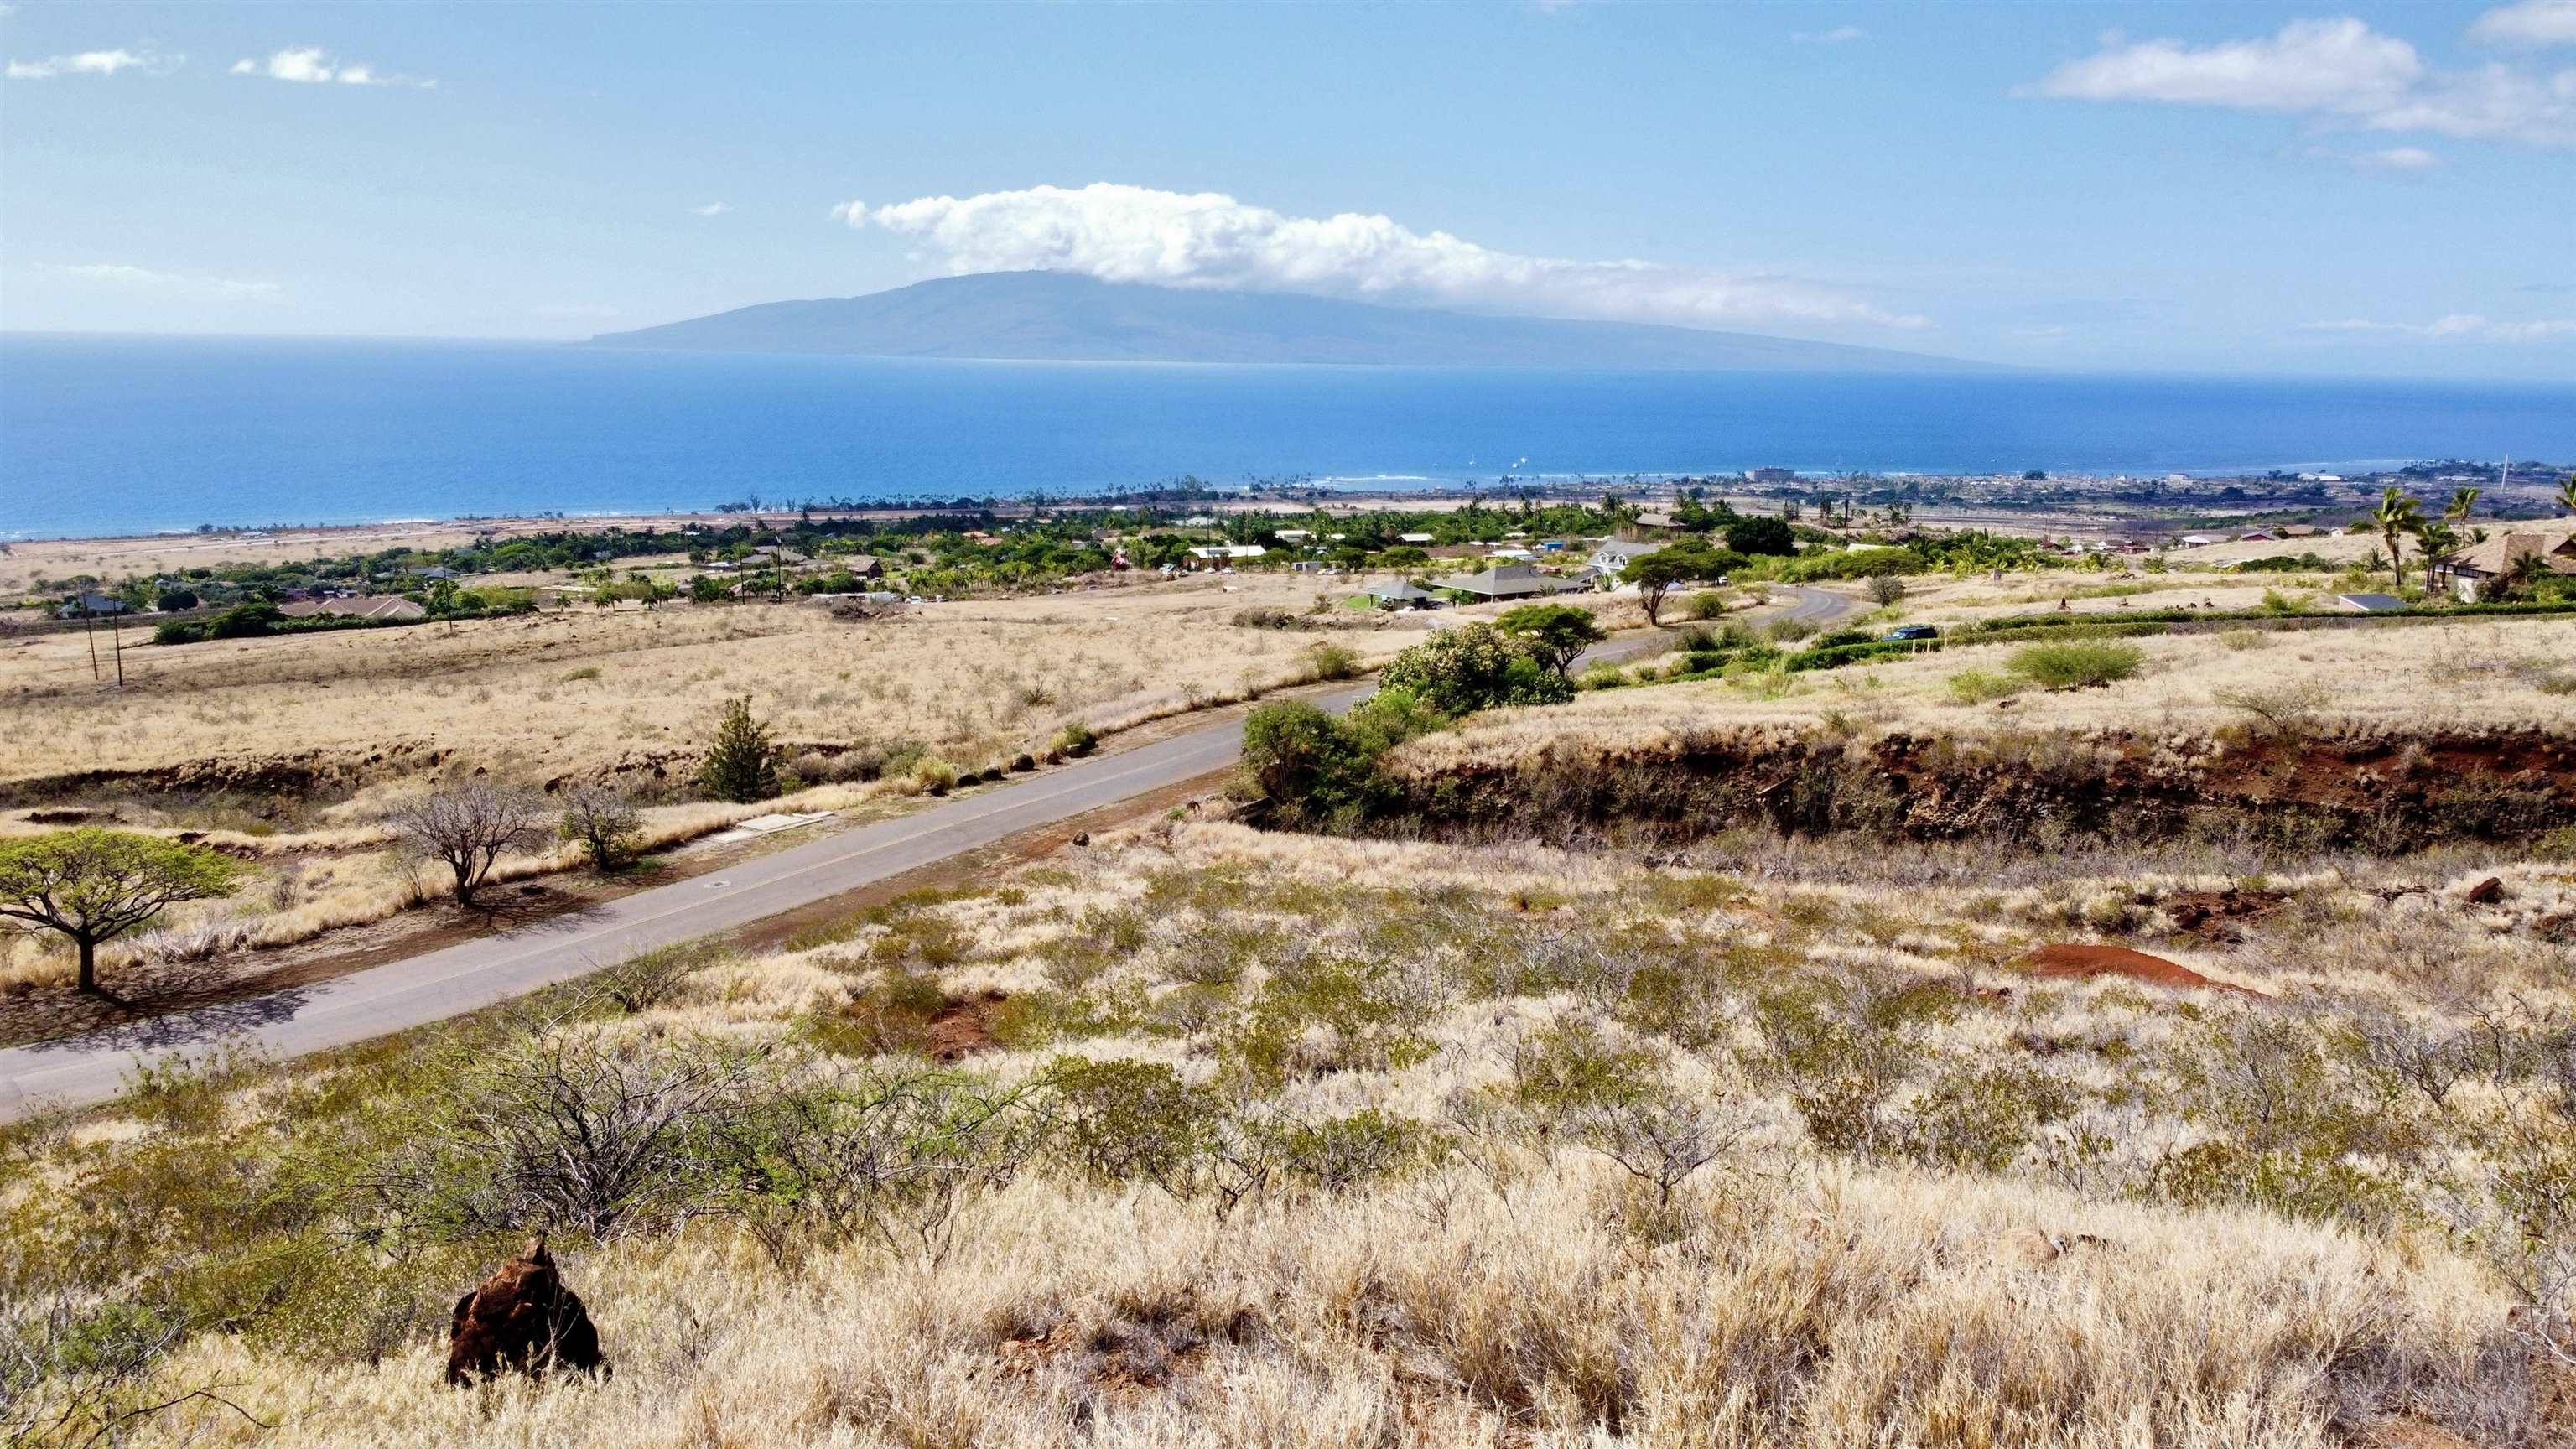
(380, 1000)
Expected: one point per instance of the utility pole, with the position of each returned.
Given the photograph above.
(116, 630)
(89, 630)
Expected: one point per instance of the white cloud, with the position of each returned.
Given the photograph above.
(311, 65)
(1839, 35)
(2458, 327)
(175, 286)
(1209, 240)
(88, 62)
(2395, 158)
(712, 208)
(2337, 72)
(2532, 22)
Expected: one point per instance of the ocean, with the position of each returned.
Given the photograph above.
(127, 435)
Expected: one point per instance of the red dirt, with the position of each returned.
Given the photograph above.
(2208, 914)
(2073, 962)
(963, 1026)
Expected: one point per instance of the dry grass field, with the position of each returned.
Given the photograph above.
(581, 692)
(2393, 678)
(290, 749)
(1212, 1137)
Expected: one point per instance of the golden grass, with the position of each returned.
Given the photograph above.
(1520, 1292)
(2435, 677)
(970, 681)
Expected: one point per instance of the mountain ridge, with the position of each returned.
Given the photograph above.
(1064, 317)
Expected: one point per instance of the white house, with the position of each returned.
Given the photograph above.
(1616, 554)
(1225, 553)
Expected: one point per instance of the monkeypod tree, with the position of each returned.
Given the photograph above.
(95, 885)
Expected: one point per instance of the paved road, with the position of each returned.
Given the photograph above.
(461, 978)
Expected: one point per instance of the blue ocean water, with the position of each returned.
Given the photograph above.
(111, 435)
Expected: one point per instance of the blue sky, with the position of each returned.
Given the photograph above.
(2386, 189)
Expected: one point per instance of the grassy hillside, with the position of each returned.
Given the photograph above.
(1225, 1137)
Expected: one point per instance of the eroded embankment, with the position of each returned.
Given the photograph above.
(2384, 793)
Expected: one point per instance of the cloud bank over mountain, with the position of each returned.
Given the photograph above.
(1209, 240)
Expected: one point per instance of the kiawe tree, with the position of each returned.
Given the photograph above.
(95, 885)
(1553, 633)
(1657, 574)
(468, 827)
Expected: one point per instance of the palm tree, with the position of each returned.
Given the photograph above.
(2436, 539)
(2527, 573)
(2396, 516)
(2461, 502)
(2567, 493)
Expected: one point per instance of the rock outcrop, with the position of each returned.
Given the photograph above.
(523, 1318)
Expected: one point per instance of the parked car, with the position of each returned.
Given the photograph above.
(1912, 631)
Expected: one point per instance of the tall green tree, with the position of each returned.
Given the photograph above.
(2397, 515)
(94, 885)
(1689, 561)
(1553, 633)
(2462, 500)
(742, 764)
(2567, 494)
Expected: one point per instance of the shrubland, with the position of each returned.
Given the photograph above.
(1241, 1138)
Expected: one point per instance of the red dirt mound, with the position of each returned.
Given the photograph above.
(2066, 961)
(964, 1027)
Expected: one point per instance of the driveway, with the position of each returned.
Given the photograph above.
(380, 1000)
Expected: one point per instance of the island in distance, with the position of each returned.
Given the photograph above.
(1060, 317)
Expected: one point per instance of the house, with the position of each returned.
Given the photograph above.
(1224, 553)
(1511, 581)
(2195, 540)
(1771, 475)
(2299, 530)
(1418, 539)
(865, 566)
(1294, 535)
(1617, 554)
(433, 575)
(2367, 603)
(1403, 595)
(1515, 555)
(93, 606)
(364, 606)
(2259, 535)
(2476, 573)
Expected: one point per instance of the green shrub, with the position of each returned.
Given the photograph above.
(2077, 664)
(1978, 686)
(1328, 660)
(1075, 739)
(1476, 666)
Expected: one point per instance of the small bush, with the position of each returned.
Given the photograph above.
(1076, 740)
(1706, 604)
(2241, 640)
(1978, 686)
(1328, 660)
(2078, 664)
